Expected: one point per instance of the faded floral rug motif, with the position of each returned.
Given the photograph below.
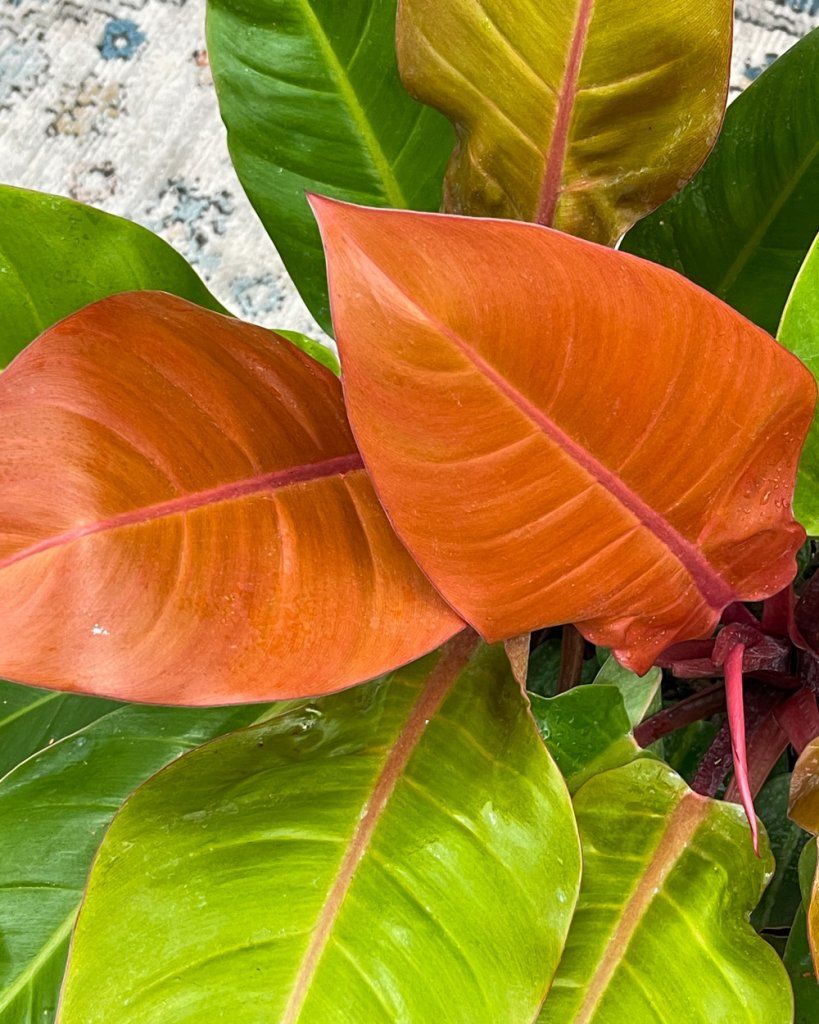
(111, 102)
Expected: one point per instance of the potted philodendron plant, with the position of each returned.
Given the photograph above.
(448, 690)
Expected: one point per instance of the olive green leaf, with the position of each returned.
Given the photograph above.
(661, 930)
(799, 331)
(310, 94)
(57, 256)
(54, 809)
(742, 227)
(406, 853)
(582, 115)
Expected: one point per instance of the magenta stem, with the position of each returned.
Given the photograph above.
(736, 721)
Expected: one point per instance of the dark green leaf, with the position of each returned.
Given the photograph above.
(31, 719)
(544, 669)
(800, 968)
(56, 256)
(54, 809)
(742, 227)
(587, 731)
(685, 748)
(781, 899)
(310, 94)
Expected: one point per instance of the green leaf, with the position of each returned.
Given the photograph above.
(56, 256)
(661, 929)
(684, 748)
(407, 852)
(800, 968)
(321, 353)
(54, 809)
(544, 669)
(807, 870)
(641, 694)
(587, 731)
(31, 719)
(310, 94)
(742, 227)
(782, 898)
(799, 332)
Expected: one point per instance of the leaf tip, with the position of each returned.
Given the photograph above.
(323, 207)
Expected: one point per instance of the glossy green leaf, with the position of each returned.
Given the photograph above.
(56, 256)
(742, 227)
(587, 731)
(54, 809)
(661, 931)
(799, 331)
(583, 115)
(406, 852)
(310, 94)
(641, 694)
(31, 719)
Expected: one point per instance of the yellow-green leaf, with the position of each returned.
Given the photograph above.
(661, 932)
(402, 853)
(583, 115)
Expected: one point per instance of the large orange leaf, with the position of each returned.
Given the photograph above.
(184, 517)
(560, 432)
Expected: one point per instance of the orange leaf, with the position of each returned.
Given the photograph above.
(184, 517)
(562, 433)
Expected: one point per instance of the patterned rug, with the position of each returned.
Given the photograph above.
(111, 102)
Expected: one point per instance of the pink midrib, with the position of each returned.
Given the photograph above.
(188, 502)
(556, 156)
(715, 591)
(454, 658)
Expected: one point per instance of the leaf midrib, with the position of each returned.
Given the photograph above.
(454, 658)
(46, 951)
(233, 491)
(714, 590)
(559, 143)
(393, 191)
(683, 823)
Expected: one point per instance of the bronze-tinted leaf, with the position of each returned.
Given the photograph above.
(560, 432)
